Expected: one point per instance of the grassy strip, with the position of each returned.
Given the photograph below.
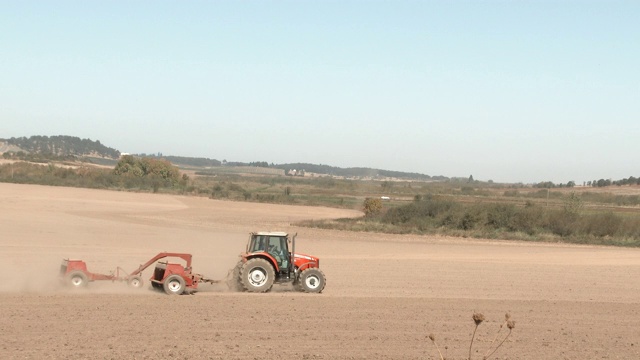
(497, 221)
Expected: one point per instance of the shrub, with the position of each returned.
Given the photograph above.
(573, 204)
(501, 216)
(148, 167)
(529, 219)
(512, 193)
(430, 208)
(561, 223)
(601, 225)
(372, 207)
(469, 220)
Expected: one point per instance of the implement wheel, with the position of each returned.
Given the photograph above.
(135, 282)
(77, 279)
(257, 275)
(311, 281)
(174, 285)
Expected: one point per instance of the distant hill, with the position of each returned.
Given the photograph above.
(186, 161)
(61, 146)
(74, 146)
(356, 172)
(308, 168)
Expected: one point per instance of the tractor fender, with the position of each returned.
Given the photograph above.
(304, 261)
(267, 257)
(307, 265)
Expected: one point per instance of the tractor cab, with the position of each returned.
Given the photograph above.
(275, 245)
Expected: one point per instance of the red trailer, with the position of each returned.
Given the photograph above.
(173, 278)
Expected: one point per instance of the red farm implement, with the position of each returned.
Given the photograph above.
(173, 278)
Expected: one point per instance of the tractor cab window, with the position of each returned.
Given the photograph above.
(258, 243)
(278, 249)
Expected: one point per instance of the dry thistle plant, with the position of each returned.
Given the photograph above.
(507, 317)
(478, 318)
(510, 325)
(432, 337)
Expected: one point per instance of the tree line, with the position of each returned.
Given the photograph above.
(63, 146)
(632, 180)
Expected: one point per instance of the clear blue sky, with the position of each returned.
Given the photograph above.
(513, 91)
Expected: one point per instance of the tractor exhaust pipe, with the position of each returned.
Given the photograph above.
(292, 264)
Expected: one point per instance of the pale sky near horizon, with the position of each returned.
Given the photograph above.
(510, 91)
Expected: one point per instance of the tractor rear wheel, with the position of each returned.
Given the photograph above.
(311, 281)
(257, 275)
(174, 285)
(135, 281)
(233, 278)
(77, 279)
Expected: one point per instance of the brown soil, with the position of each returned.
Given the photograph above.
(384, 293)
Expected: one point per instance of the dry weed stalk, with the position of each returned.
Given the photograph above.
(507, 316)
(432, 337)
(510, 325)
(478, 318)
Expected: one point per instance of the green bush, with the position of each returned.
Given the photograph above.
(601, 225)
(430, 207)
(470, 220)
(529, 220)
(512, 193)
(372, 207)
(438, 215)
(162, 171)
(561, 223)
(501, 216)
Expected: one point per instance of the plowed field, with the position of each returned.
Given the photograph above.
(384, 293)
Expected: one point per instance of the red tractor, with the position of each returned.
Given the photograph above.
(268, 260)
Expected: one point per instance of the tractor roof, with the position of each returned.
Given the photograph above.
(271, 233)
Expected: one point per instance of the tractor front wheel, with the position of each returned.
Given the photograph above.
(311, 281)
(174, 285)
(257, 275)
(77, 279)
